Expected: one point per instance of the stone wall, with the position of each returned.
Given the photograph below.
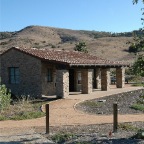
(30, 73)
(120, 77)
(105, 79)
(48, 88)
(62, 83)
(87, 85)
(97, 78)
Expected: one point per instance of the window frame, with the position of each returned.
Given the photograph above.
(14, 75)
(49, 75)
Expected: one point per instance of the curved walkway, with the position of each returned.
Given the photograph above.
(62, 112)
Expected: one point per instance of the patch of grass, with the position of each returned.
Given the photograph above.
(92, 104)
(21, 110)
(127, 127)
(2, 118)
(138, 107)
(27, 115)
(138, 84)
(61, 138)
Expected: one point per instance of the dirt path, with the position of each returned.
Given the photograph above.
(62, 112)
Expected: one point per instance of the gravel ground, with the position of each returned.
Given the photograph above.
(22, 136)
(96, 134)
(83, 134)
(99, 134)
(124, 100)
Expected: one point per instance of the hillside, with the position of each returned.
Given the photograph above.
(101, 44)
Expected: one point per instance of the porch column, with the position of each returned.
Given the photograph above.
(97, 78)
(105, 79)
(86, 81)
(62, 83)
(120, 77)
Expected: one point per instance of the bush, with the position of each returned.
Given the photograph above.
(81, 46)
(133, 49)
(138, 66)
(3, 43)
(5, 97)
(61, 138)
(141, 99)
(138, 107)
(53, 46)
(139, 135)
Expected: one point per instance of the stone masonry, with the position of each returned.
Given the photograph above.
(30, 73)
(33, 77)
(48, 88)
(97, 78)
(105, 79)
(86, 81)
(120, 77)
(62, 83)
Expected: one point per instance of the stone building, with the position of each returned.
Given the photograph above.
(38, 72)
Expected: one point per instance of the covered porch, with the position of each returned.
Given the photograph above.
(85, 80)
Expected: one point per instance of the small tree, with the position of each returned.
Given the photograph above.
(138, 67)
(137, 45)
(5, 97)
(81, 46)
(136, 1)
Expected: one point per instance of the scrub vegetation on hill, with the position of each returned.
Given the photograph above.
(113, 46)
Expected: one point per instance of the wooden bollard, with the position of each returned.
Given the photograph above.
(115, 117)
(47, 118)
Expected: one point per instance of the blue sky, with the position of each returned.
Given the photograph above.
(98, 15)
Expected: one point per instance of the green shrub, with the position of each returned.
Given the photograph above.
(2, 118)
(138, 84)
(139, 135)
(138, 107)
(36, 43)
(81, 46)
(61, 138)
(5, 97)
(53, 46)
(127, 127)
(141, 99)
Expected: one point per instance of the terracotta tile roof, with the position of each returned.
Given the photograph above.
(71, 58)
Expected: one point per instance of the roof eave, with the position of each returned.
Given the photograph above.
(100, 65)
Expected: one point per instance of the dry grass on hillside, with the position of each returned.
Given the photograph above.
(113, 48)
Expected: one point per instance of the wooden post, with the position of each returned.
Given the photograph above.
(47, 118)
(115, 117)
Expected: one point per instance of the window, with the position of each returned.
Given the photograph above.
(49, 75)
(14, 75)
(79, 77)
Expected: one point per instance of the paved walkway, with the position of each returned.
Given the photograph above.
(62, 112)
